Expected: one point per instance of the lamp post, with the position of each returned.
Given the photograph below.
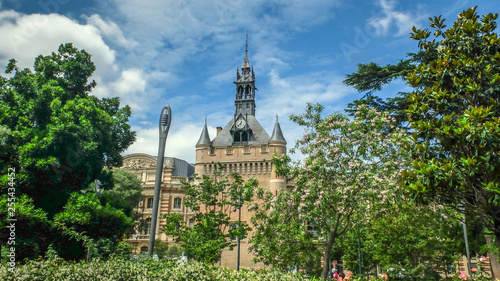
(359, 253)
(239, 229)
(97, 189)
(164, 125)
(461, 207)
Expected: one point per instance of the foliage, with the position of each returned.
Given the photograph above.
(86, 219)
(123, 191)
(60, 136)
(122, 250)
(57, 137)
(408, 235)
(281, 239)
(371, 77)
(349, 167)
(28, 218)
(456, 116)
(121, 270)
(212, 200)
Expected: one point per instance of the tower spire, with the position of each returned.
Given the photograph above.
(246, 64)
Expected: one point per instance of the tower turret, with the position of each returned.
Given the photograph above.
(245, 88)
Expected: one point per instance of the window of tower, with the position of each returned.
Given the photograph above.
(244, 136)
(248, 90)
(237, 137)
(240, 92)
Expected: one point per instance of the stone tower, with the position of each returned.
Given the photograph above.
(243, 146)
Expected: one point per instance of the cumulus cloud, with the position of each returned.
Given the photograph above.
(289, 95)
(27, 36)
(181, 140)
(403, 21)
(110, 30)
(130, 86)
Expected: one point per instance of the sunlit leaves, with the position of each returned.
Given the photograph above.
(455, 116)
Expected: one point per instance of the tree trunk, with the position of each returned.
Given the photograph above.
(328, 252)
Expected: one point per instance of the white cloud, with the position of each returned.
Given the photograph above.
(110, 30)
(27, 36)
(289, 95)
(403, 21)
(181, 140)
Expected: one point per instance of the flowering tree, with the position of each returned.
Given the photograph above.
(349, 169)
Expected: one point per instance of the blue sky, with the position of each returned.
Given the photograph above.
(185, 53)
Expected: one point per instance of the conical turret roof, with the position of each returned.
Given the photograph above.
(277, 136)
(204, 140)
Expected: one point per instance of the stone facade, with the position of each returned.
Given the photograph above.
(171, 198)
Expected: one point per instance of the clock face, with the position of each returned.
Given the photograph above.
(240, 124)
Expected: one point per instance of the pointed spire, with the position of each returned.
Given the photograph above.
(246, 64)
(277, 136)
(204, 140)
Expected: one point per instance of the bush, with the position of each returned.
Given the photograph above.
(119, 269)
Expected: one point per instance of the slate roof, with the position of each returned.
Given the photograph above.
(259, 135)
(277, 136)
(204, 137)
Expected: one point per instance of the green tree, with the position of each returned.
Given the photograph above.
(371, 77)
(212, 200)
(61, 137)
(58, 138)
(86, 220)
(456, 117)
(409, 235)
(349, 167)
(281, 238)
(123, 190)
(28, 218)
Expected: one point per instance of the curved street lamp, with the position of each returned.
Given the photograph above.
(165, 118)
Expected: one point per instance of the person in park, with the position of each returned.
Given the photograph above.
(341, 276)
(335, 274)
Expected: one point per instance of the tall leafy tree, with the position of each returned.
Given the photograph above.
(57, 137)
(213, 200)
(349, 167)
(423, 239)
(282, 238)
(61, 136)
(456, 117)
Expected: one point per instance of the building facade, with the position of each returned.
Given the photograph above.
(242, 146)
(171, 197)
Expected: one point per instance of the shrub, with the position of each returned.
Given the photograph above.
(119, 269)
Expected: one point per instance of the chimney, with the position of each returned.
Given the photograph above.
(219, 129)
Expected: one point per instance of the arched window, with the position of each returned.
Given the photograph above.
(177, 203)
(144, 249)
(148, 226)
(248, 92)
(240, 92)
(149, 203)
(234, 226)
